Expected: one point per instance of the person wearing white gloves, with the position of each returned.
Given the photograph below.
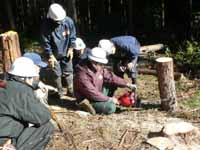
(41, 89)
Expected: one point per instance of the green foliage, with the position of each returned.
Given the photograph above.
(189, 54)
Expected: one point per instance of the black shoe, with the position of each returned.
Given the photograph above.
(138, 103)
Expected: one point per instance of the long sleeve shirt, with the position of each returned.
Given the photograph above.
(18, 107)
(57, 38)
(88, 82)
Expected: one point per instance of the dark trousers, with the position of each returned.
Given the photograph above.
(62, 70)
(33, 138)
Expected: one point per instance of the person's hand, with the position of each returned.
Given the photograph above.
(8, 146)
(121, 68)
(132, 86)
(130, 66)
(70, 53)
(114, 100)
(52, 60)
(45, 87)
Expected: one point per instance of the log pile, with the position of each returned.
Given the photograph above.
(10, 48)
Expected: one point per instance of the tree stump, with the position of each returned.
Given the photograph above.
(165, 73)
(10, 49)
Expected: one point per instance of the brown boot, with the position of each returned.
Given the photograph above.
(86, 106)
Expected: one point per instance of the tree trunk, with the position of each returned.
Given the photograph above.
(165, 73)
(10, 49)
(9, 10)
(71, 9)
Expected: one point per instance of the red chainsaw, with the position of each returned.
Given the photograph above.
(129, 99)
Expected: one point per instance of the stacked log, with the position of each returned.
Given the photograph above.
(10, 48)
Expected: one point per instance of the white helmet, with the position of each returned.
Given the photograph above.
(79, 44)
(98, 55)
(56, 12)
(23, 67)
(106, 45)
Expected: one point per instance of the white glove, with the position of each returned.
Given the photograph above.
(131, 86)
(130, 66)
(70, 53)
(45, 87)
(114, 100)
(52, 61)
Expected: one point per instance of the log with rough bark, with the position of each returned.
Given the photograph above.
(165, 74)
(10, 48)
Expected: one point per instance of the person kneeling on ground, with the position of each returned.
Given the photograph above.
(41, 90)
(25, 121)
(90, 76)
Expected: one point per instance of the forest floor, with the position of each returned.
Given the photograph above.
(127, 129)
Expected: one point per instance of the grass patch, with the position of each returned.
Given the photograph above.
(192, 102)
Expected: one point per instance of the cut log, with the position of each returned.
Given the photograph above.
(10, 49)
(165, 74)
(177, 75)
(151, 48)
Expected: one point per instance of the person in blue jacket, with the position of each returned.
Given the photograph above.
(58, 34)
(123, 52)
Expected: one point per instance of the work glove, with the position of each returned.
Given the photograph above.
(130, 66)
(8, 146)
(52, 61)
(114, 100)
(45, 87)
(70, 53)
(132, 86)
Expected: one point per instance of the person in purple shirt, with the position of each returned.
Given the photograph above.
(89, 78)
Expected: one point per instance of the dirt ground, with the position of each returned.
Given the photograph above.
(127, 129)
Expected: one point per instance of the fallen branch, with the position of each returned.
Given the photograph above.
(91, 140)
(66, 134)
(123, 138)
(151, 48)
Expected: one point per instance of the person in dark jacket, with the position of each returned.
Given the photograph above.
(123, 52)
(90, 76)
(25, 121)
(58, 35)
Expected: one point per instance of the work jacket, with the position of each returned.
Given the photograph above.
(127, 47)
(57, 38)
(18, 108)
(88, 82)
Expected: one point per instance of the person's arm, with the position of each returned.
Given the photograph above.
(111, 78)
(89, 90)
(46, 39)
(72, 35)
(29, 109)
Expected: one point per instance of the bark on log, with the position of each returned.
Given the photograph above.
(165, 73)
(10, 49)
